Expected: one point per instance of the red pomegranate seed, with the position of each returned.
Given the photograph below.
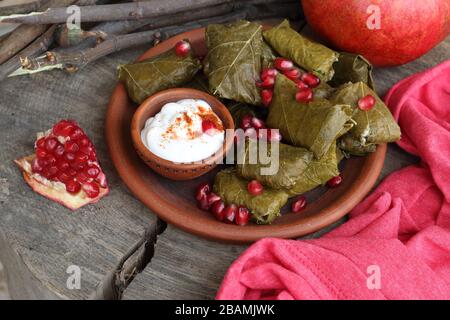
(82, 177)
(36, 166)
(298, 204)
(71, 146)
(283, 64)
(335, 181)
(50, 159)
(246, 121)
(64, 128)
(208, 125)
(77, 165)
(212, 197)
(304, 95)
(255, 188)
(182, 48)
(311, 80)
(50, 144)
(41, 153)
(76, 134)
(293, 74)
(93, 171)
(92, 190)
(258, 123)
(217, 209)
(266, 83)
(230, 213)
(242, 216)
(101, 179)
(59, 150)
(69, 156)
(40, 143)
(300, 84)
(62, 165)
(274, 135)
(266, 97)
(63, 177)
(53, 170)
(81, 157)
(268, 72)
(73, 186)
(366, 103)
(86, 150)
(83, 141)
(71, 172)
(202, 191)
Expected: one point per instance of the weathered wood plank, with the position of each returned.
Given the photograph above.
(40, 239)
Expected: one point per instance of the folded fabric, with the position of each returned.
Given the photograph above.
(396, 244)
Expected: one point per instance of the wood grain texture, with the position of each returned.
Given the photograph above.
(39, 239)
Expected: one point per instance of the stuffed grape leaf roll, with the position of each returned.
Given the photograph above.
(233, 190)
(167, 70)
(318, 172)
(306, 53)
(277, 165)
(234, 60)
(315, 125)
(373, 126)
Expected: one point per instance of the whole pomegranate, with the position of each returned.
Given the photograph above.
(386, 32)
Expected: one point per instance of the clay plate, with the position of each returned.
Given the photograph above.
(174, 201)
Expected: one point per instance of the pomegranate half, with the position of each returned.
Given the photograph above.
(64, 167)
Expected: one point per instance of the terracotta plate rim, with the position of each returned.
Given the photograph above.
(208, 228)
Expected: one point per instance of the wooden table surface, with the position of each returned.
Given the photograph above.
(40, 239)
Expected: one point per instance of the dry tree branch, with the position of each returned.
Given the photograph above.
(25, 34)
(17, 7)
(108, 12)
(37, 47)
(73, 60)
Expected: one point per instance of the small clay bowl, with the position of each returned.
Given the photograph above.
(178, 171)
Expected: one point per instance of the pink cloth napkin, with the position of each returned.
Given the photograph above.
(396, 244)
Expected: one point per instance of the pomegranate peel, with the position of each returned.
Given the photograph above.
(57, 194)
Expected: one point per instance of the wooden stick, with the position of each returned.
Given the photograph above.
(9, 7)
(39, 46)
(75, 60)
(118, 28)
(24, 35)
(121, 11)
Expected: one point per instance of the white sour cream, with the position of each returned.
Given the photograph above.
(176, 134)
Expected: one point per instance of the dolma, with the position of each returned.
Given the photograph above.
(233, 190)
(352, 68)
(234, 60)
(374, 126)
(318, 172)
(167, 70)
(315, 125)
(308, 54)
(288, 165)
